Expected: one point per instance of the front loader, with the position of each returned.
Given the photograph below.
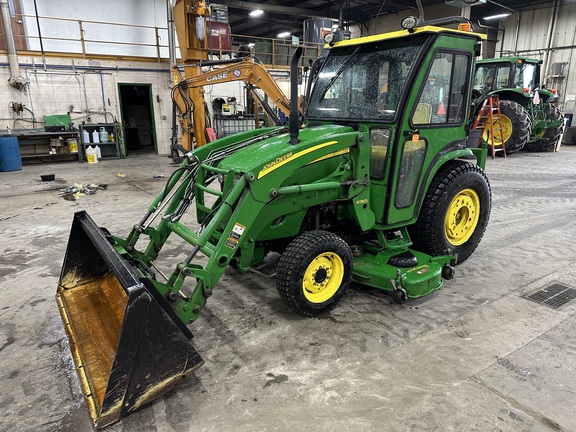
(381, 188)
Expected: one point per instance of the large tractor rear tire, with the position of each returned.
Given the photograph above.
(314, 272)
(550, 136)
(455, 211)
(516, 127)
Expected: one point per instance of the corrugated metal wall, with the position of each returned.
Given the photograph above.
(547, 33)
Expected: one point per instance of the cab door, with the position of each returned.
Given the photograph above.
(432, 125)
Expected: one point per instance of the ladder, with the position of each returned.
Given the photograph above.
(489, 121)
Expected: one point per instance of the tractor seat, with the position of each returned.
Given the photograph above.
(403, 260)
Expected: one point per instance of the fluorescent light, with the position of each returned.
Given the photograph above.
(256, 12)
(283, 34)
(502, 15)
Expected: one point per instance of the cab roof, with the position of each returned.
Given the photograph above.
(509, 60)
(403, 34)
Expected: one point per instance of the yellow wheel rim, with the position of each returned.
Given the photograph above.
(506, 125)
(462, 217)
(540, 134)
(323, 277)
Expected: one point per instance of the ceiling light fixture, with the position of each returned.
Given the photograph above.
(256, 13)
(502, 15)
(283, 35)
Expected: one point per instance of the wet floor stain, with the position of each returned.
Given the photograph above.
(275, 379)
(8, 342)
(76, 420)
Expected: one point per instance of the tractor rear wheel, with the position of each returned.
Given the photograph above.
(547, 139)
(455, 211)
(516, 127)
(314, 272)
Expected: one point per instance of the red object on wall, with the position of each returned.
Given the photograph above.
(220, 33)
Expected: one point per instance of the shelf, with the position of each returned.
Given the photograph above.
(108, 150)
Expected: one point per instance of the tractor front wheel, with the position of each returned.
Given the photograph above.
(547, 139)
(314, 272)
(455, 211)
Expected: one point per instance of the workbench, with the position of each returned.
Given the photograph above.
(36, 146)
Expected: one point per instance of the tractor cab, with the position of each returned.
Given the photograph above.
(407, 92)
(507, 73)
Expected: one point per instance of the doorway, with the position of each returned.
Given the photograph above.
(137, 111)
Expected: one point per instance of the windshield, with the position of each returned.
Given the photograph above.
(492, 77)
(364, 82)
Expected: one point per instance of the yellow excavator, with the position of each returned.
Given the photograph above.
(190, 21)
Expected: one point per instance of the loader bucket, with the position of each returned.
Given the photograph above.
(128, 346)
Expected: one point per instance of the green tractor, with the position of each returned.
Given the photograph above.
(381, 187)
(529, 118)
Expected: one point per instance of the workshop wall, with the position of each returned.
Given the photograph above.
(88, 90)
(114, 25)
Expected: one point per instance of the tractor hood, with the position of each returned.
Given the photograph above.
(268, 155)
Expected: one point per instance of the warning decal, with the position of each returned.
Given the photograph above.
(235, 235)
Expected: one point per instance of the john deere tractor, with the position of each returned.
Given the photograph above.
(380, 187)
(530, 121)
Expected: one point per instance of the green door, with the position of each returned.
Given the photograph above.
(432, 125)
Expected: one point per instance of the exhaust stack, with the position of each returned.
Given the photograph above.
(294, 116)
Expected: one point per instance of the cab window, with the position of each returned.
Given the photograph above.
(443, 97)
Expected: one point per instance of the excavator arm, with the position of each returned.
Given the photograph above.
(190, 21)
(251, 73)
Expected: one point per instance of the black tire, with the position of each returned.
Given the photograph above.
(399, 296)
(551, 135)
(463, 188)
(314, 272)
(516, 126)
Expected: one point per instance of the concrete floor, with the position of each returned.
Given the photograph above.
(474, 356)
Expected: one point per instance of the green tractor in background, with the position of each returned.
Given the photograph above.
(530, 120)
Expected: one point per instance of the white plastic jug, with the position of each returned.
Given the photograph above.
(95, 137)
(91, 155)
(103, 134)
(85, 136)
(98, 152)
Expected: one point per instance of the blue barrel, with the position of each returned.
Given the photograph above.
(9, 154)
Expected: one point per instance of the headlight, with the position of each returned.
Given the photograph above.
(329, 39)
(409, 23)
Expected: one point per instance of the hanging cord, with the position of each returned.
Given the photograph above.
(374, 21)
